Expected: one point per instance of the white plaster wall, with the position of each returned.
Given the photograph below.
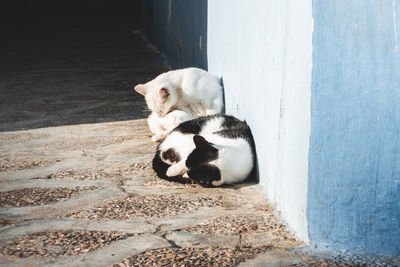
(263, 51)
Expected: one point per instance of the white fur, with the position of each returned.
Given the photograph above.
(192, 90)
(163, 126)
(235, 159)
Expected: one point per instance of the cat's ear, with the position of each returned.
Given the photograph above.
(200, 141)
(141, 89)
(164, 93)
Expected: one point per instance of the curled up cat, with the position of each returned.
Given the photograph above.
(211, 151)
(180, 95)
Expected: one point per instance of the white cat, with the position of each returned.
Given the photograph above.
(161, 127)
(192, 91)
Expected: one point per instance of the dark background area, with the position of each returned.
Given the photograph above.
(21, 13)
(72, 62)
(178, 29)
(38, 21)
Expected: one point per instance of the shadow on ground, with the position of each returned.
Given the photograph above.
(63, 67)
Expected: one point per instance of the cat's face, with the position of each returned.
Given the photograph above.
(160, 97)
(198, 162)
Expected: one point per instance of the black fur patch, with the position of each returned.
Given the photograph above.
(159, 166)
(234, 128)
(199, 171)
(203, 153)
(230, 121)
(205, 174)
(171, 155)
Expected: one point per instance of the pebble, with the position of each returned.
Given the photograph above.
(86, 143)
(208, 256)
(12, 138)
(18, 163)
(344, 260)
(58, 243)
(144, 206)
(39, 196)
(245, 224)
(101, 172)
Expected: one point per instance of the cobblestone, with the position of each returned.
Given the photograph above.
(209, 256)
(15, 164)
(58, 243)
(39, 196)
(145, 207)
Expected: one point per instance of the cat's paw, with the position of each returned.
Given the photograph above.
(171, 172)
(217, 183)
(158, 137)
(176, 170)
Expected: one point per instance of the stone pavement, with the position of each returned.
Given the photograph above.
(76, 184)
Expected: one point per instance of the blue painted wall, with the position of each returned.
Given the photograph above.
(354, 157)
(178, 28)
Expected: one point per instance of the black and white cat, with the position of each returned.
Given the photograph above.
(212, 151)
